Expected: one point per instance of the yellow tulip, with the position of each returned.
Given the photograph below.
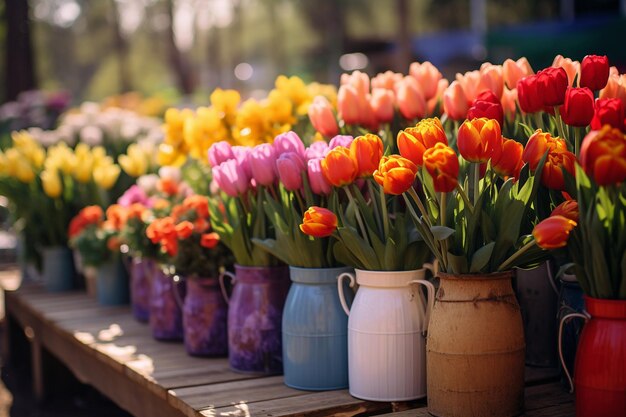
(62, 157)
(225, 101)
(294, 88)
(84, 167)
(98, 153)
(135, 162)
(105, 176)
(170, 156)
(51, 181)
(17, 166)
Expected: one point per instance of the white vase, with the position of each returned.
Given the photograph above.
(386, 334)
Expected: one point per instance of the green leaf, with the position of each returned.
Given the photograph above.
(359, 248)
(481, 257)
(442, 232)
(457, 264)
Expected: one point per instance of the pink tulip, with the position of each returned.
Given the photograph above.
(359, 80)
(513, 71)
(509, 97)
(427, 76)
(322, 117)
(491, 79)
(432, 103)
(317, 181)
(615, 88)
(386, 80)
(340, 140)
(470, 81)
(290, 167)
(262, 161)
(220, 152)
(241, 156)
(382, 102)
(348, 105)
(288, 142)
(572, 68)
(410, 99)
(316, 150)
(455, 103)
(231, 178)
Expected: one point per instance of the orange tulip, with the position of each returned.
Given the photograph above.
(428, 76)
(410, 99)
(184, 229)
(567, 209)
(513, 71)
(509, 97)
(442, 164)
(437, 99)
(455, 101)
(135, 211)
(318, 222)
(382, 102)
(603, 155)
(338, 167)
(322, 117)
(509, 162)
(366, 151)
(348, 104)
(386, 80)
(116, 216)
(538, 144)
(479, 139)
(491, 79)
(557, 161)
(396, 174)
(413, 141)
(553, 232)
(209, 240)
(470, 81)
(199, 203)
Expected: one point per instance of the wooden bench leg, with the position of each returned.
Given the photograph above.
(37, 363)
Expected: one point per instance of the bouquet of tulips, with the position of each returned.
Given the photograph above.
(186, 241)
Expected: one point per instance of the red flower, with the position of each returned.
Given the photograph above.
(609, 111)
(509, 161)
(552, 83)
(486, 105)
(209, 240)
(568, 209)
(553, 232)
(442, 164)
(603, 156)
(579, 107)
(184, 229)
(594, 72)
(530, 101)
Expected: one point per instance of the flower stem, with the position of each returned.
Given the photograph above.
(358, 214)
(421, 207)
(476, 169)
(559, 123)
(516, 255)
(464, 196)
(442, 208)
(379, 224)
(383, 208)
(577, 141)
(539, 120)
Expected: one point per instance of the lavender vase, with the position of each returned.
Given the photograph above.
(255, 319)
(141, 271)
(204, 318)
(166, 316)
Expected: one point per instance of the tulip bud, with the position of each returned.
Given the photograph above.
(572, 68)
(348, 105)
(316, 150)
(530, 100)
(455, 102)
(290, 166)
(317, 181)
(594, 72)
(579, 107)
(508, 162)
(395, 174)
(486, 105)
(382, 102)
(231, 178)
(411, 101)
(322, 117)
(478, 139)
(340, 140)
(553, 232)
(318, 222)
(603, 155)
(262, 160)
(366, 151)
(513, 71)
(608, 111)
(491, 79)
(338, 167)
(288, 142)
(552, 83)
(220, 152)
(509, 97)
(442, 165)
(427, 76)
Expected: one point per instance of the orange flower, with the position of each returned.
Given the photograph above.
(116, 216)
(396, 174)
(567, 209)
(479, 139)
(136, 210)
(170, 246)
(184, 229)
(538, 144)
(201, 225)
(178, 211)
(92, 214)
(442, 164)
(167, 186)
(160, 204)
(338, 167)
(198, 203)
(552, 174)
(77, 224)
(318, 222)
(553, 232)
(366, 151)
(114, 243)
(413, 141)
(508, 162)
(209, 240)
(603, 155)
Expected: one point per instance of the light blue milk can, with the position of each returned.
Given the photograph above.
(315, 331)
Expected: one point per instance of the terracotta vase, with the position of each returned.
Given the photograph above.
(475, 348)
(387, 324)
(600, 367)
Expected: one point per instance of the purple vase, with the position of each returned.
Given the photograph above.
(166, 316)
(255, 319)
(204, 318)
(141, 271)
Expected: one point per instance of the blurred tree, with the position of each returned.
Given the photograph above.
(180, 64)
(121, 49)
(20, 66)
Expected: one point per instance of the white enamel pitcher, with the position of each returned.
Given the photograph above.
(387, 333)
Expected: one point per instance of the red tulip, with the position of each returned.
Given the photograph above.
(553, 232)
(579, 107)
(486, 108)
(318, 222)
(594, 72)
(568, 209)
(530, 100)
(509, 162)
(479, 139)
(608, 111)
(552, 83)
(538, 144)
(209, 240)
(442, 164)
(396, 174)
(557, 162)
(603, 155)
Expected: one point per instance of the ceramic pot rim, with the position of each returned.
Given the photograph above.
(317, 275)
(388, 278)
(257, 268)
(493, 276)
(605, 308)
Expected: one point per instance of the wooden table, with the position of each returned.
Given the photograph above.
(107, 348)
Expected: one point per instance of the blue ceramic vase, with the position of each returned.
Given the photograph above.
(58, 269)
(112, 283)
(315, 331)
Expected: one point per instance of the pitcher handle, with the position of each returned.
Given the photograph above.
(563, 320)
(177, 279)
(433, 268)
(430, 289)
(342, 298)
(222, 287)
(552, 278)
